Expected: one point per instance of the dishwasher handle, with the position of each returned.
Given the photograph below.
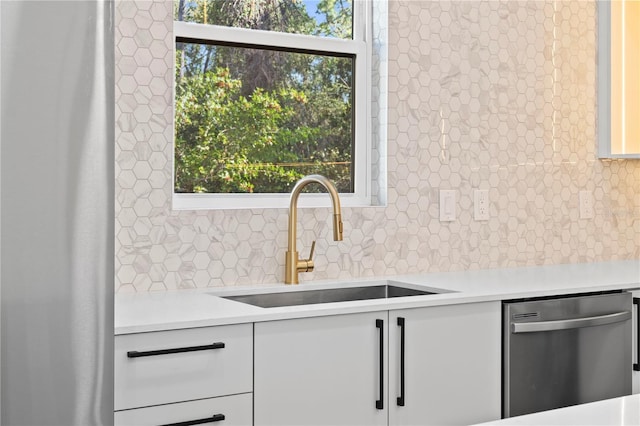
(566, 324)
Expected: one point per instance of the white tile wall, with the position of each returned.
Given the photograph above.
(482, 94)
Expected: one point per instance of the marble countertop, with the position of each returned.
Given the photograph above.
(155, 311)
(623, 411)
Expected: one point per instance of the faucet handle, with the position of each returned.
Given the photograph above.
(307, 264)
(313, 249)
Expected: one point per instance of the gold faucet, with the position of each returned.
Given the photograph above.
(294, 265)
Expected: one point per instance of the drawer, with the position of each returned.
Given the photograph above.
(182, 365)
(233, 410)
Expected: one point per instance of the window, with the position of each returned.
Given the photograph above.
(618, 79)
(268, 91)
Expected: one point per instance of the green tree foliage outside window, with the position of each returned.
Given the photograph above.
(255, 120)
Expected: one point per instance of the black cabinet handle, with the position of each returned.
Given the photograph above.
(400, 399)
(136, 354)
(212, 419)
(380, 326)
(636, 366)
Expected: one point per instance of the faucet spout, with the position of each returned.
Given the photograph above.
(293, 265)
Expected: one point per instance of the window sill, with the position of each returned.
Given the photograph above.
(261, 201)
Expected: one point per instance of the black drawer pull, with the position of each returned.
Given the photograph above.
(400, 399)
(636, 365)
(212, 419)
(380, 327)
(136, 354)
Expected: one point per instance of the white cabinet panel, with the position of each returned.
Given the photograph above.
(325, 371)
(185, 375)
(320, 371)
(227, 410)
(452, 365)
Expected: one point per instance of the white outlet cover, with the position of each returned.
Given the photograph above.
(447, 205)
(481, 204)
(586, 205)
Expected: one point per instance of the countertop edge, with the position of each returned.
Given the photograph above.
(198, 311)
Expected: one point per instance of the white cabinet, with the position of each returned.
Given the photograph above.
(449, 371)
(635, 341)
(342, 370)
(321, 371)
(226, 410)
(181, 366)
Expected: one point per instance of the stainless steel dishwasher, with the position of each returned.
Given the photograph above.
(565, 351)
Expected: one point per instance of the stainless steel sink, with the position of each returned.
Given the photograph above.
(329, 295)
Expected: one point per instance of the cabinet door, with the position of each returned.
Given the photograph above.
(452, 365)
(321, 371)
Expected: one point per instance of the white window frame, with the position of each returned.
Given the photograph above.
(359, 47)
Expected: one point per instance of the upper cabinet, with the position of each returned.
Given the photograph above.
(618, 79)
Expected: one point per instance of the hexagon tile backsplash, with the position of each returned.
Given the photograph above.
(482, 94)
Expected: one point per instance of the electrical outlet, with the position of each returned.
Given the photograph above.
(447, 205)
(586, 205)
(481, 204)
